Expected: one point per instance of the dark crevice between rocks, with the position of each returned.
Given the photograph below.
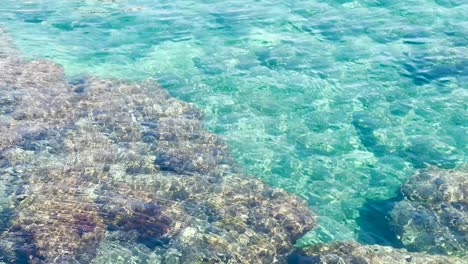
(299, 257)
(78, 85)
(374, 229)
(374, 223)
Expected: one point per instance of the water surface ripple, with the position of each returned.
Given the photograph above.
(336, 101)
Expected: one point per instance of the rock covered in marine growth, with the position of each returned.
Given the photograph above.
(93, 160)
(433, 216)
(354, 253)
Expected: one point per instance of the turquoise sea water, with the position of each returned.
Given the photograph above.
(336, 101)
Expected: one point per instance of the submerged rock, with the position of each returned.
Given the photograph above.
(99, 160)
(354, 253)
(433, 216)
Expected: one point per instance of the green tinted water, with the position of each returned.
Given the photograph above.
(335, 101)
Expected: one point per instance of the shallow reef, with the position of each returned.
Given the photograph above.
(433, 216)
(93, 160)
(354, 253)
(108, 171)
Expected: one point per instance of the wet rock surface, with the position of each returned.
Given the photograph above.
(93, 160)
(354, 253)
(433, 216)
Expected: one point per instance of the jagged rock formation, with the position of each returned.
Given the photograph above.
(354, 253)
(433, 216)
(93, 159)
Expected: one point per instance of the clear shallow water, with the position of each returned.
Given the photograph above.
(335, 101)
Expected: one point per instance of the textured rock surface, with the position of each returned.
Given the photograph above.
(354, 253)
(433, 216)
(93, 160)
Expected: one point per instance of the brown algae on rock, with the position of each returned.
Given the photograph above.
(104, 160)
